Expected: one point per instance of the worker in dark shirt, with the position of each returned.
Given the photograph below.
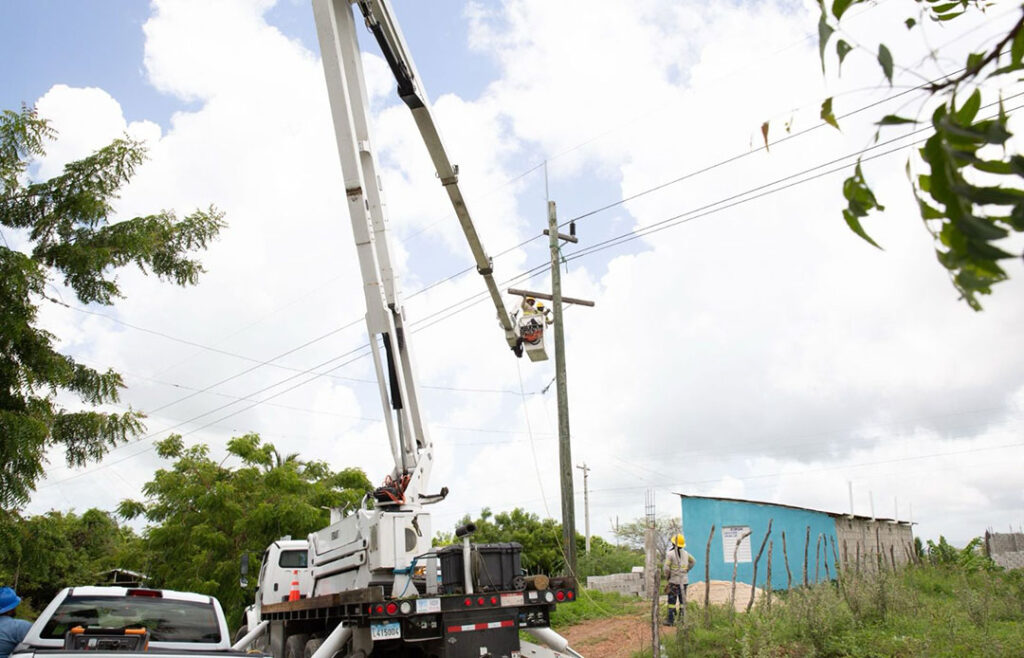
(12, 631)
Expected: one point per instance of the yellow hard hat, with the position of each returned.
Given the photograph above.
(679, 541)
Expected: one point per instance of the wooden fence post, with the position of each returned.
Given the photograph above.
(768, 576)
(785, 558)
(817, 558)
(807, 545)
(735, 566)
(753, 580)
(707, 578)
(879, 556)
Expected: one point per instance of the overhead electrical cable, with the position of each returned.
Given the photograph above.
(450, 311)
(537, 270)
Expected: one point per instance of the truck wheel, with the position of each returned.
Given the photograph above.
(311, 647)
(295, 646)
(240, 633)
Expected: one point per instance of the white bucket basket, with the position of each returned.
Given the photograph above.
(531, 330)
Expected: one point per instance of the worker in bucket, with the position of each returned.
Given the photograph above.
(677, 563)
(12, 631)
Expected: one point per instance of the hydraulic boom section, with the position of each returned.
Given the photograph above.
(380, 21)
(344, 553)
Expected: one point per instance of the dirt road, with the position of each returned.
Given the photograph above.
(620, 637)
(617, 637)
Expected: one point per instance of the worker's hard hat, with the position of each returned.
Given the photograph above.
(679, 541)
(530, 300)
(9, 600)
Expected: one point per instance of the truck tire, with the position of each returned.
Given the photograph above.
(295, 646)
(311, 647)
(240, 633)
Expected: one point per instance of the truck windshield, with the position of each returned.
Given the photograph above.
(167, 620)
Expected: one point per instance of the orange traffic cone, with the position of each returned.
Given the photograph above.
(293, 594)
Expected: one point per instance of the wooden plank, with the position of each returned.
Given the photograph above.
(365, 595)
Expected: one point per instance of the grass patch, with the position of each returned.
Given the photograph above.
(592, 604)
(921, 612)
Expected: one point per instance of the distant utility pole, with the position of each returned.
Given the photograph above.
(586, 502)
(564, 450)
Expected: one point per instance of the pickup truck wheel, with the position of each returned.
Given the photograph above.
(295, 646)
(311, 647)
(240, 633)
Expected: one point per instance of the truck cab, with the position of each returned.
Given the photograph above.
(285, 561)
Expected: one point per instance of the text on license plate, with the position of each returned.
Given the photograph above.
(386, 631)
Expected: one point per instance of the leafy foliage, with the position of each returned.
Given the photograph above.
(920, 612)
(634, 534)
(67, 229)
(541, 540)
(219, 513)
(41, 554)
(969, 192)
(969, 558)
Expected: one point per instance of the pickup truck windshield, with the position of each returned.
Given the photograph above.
(167, 620)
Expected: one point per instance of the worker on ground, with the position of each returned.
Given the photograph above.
(12, 631)
(677, 563)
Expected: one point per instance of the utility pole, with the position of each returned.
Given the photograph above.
(586, 503)
(564, 449)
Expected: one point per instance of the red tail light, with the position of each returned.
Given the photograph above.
(392, 608)
(468, 602)
(146, 592)
(560, 595)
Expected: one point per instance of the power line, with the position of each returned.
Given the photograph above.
(687, 176)
(523, 276)
(466, 303)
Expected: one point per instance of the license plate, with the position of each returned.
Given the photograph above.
(387, 631)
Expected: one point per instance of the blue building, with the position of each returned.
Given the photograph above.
(740, 527)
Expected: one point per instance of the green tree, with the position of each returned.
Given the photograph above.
(634, 534)
(541, 540)
(220, 513)
(49, 551)
(967, 178)
(63, 227)
(605, 558)
(969, 558)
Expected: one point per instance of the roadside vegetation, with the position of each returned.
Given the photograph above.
(592, 604)
(955, 603)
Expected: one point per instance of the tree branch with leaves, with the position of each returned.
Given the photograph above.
(66, 227)
(966, 179)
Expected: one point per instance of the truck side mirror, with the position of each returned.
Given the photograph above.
(243, 581)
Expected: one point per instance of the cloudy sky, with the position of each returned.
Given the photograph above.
(744, 342)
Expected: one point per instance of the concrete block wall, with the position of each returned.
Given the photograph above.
(623, 583)
(864, 543)
(1006, 549)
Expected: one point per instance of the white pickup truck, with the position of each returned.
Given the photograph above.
(116, 620)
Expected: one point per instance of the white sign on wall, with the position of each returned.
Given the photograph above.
(730, 534)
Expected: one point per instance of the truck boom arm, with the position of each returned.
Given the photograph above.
(410, 444)
(389, 37)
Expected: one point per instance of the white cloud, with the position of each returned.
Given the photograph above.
(762, 351)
